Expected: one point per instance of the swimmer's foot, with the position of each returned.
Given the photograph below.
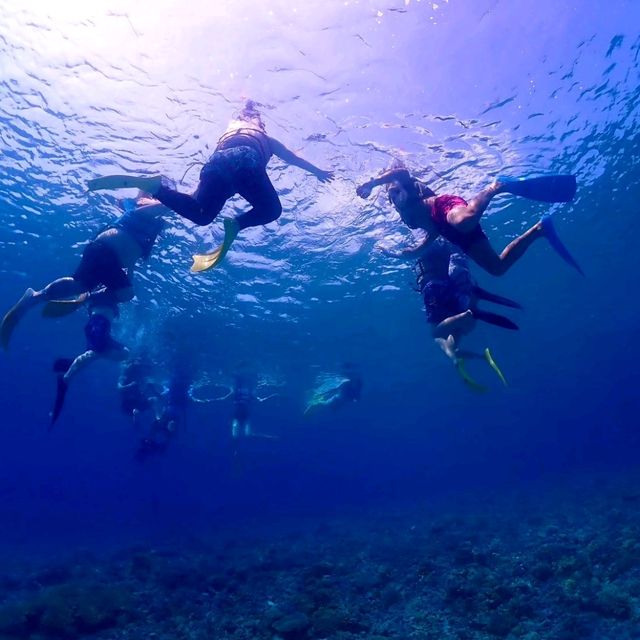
(15, 314)
(494, 366)
(549, 231)
(204, 262)
(148, 184)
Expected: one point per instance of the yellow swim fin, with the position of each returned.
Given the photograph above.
(61, 308)
(206, 261)
(476, 386)
(311, 405)
(494, 366)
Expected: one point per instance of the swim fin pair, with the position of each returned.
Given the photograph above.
(560, 188)
(460, 366)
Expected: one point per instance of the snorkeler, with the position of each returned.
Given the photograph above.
(170, 417)
(237, 166)
(136, 388)
(459, 221)
(245, 385)
(100, 344)
(243, 391)
(104, 273)
(336, 392)
(451, 303)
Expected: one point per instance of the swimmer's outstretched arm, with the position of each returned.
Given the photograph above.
(410, 253)
(291, 158)
(393, 175)
(265, 398)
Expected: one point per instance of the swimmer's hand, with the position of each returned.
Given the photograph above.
(324, 176)
(364, 190)
(388, 252)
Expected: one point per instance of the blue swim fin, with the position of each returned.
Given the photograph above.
(495, 318)
(554, 240)
(483, 294)
(544, 189)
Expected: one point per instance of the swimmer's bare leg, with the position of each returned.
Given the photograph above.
(460, 324)
(61, 288)
(457, 357)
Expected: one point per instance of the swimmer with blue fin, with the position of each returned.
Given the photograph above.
(457, 220)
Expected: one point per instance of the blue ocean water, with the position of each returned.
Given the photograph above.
(461, 91)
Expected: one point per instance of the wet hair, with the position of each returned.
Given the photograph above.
(424, 191)
(251, 113)
(396, 163)
(415, 188)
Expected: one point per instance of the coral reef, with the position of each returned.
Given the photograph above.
(562, 565)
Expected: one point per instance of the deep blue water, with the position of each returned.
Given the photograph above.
(462, 91)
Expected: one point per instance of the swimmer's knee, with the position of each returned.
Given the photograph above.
(273, 212)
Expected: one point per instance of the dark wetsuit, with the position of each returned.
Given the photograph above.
(176, 401)
(463, 239)
(100, 266)
(445, 281)
(133, 387)
(242, 397)
(237, 166)
(97, 332)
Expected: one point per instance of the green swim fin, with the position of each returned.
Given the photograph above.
(476, 386)
(494, 366)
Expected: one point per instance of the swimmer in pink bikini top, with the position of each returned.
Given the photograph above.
(452, 217)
